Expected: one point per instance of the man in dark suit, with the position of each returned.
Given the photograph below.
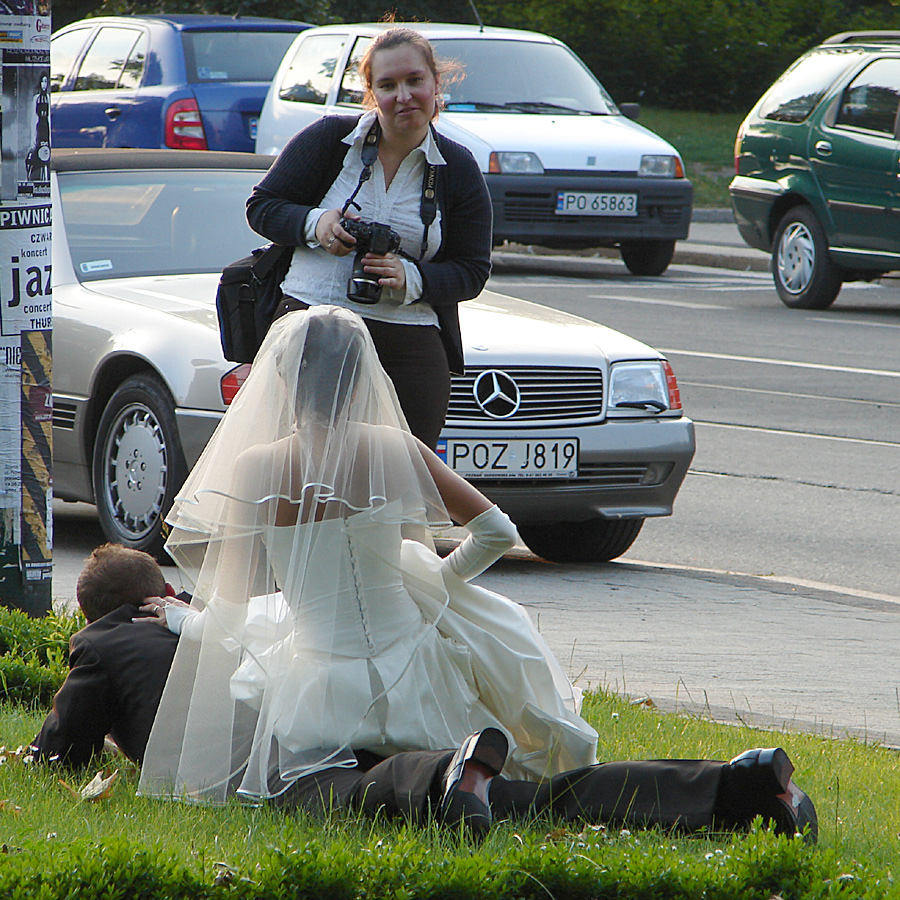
(117, 668)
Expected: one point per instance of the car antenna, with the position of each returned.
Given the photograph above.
(477, 17)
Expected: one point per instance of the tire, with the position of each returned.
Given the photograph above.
(138, 464)
(647, 257)
(805, 276)
(597, 540)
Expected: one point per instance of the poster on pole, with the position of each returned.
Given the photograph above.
(25, 303)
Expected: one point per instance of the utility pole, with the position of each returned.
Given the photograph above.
(26, 319)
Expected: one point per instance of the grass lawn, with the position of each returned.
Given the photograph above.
(158, 849)
(706, 144)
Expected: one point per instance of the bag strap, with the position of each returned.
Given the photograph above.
(266, 260)
(428, 203)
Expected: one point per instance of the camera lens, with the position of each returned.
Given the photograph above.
(362, 287)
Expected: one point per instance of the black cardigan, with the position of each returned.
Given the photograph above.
(308, 166)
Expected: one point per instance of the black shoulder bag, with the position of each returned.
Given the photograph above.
(248, 292)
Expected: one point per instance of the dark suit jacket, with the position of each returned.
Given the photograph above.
(117, 672)
(311, 161)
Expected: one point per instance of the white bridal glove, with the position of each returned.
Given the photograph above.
(491, 534)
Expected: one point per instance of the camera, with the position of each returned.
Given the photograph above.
(371, 237)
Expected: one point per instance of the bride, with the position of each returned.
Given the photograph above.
(322, 621)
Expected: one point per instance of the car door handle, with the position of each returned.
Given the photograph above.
(113, 111)
(823, 148)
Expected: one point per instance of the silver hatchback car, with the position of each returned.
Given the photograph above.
(574, 429)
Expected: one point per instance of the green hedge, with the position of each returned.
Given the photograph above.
(34, 655)
(401, 868)
(714, 55)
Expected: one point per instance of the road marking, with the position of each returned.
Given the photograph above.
(680, 303)
(817, 397)
(801, 434)
(762, 360)
(833, 321)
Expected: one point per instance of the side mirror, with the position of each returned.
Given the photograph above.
(630, 110)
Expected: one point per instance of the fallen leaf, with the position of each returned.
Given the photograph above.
(98, 788)
(644, 701)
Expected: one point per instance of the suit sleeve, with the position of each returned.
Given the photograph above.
(461, 268)
(81, 718)
(295, 183)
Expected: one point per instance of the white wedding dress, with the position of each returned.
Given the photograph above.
(397, 654)
(325, 622)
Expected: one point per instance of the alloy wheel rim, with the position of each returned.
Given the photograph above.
(136, 471)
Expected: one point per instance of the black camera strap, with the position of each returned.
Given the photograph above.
(428, 203)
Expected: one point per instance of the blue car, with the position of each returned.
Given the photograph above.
(189, 82)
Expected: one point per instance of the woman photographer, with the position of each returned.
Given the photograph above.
(386, 168)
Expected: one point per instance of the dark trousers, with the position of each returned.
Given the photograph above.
(679, 794)
(415, 360)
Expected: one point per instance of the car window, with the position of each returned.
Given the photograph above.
(133, 70)
(524, 75)
(797, 93)
(352, 89)
(234, 55)
(872, 98)
(169, 222)
(106, 58)
(309, 76)
(64, 49)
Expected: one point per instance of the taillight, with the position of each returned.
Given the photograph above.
(738, 140)
(672, 385)
(184, 127)
(232, 381)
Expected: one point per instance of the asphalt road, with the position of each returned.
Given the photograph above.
(771, 596)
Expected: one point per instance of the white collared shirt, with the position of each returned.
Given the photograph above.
(317, 277)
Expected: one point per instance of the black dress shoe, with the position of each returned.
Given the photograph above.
(464, 789)
(759, 784)
(768, 770)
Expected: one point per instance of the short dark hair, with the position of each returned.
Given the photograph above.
(114, 576)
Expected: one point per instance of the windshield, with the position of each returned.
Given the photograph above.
(149, 222)
(234, 55)
(521, 76)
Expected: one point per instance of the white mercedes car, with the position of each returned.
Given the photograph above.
(574, 429)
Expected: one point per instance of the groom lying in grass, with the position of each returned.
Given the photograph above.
(118, 666)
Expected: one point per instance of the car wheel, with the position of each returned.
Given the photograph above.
(805, 276)
(647, 257)
(138, 464)
(597, 540)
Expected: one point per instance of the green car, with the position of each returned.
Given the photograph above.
(818, 169)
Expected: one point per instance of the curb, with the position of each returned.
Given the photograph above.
(526, 261)
(529, 259)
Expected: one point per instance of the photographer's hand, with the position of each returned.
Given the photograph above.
(334, 239)
(389, 269)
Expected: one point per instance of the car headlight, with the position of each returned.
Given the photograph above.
(661, 167)
(508, 162)
(640, 387)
